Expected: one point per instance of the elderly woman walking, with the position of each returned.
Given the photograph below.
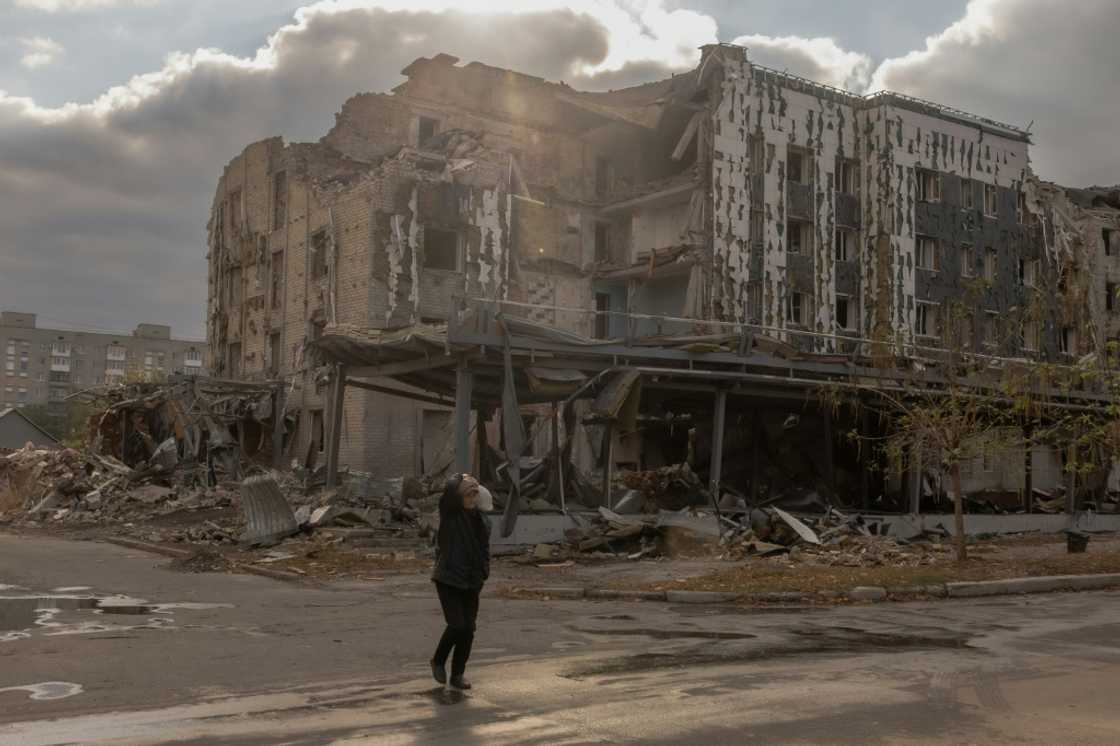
(462, 566)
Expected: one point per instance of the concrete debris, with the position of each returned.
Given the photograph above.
(833, 540)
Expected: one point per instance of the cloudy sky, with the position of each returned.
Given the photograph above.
(116, 116)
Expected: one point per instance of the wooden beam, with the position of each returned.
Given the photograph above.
(334, 435)
(438, 401)
(403, 367)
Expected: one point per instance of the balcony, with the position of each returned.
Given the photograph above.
(799, 200)
(847, 210)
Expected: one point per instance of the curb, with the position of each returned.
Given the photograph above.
(1043, 584)
(860, 594)
(177, 553)
(146, 546)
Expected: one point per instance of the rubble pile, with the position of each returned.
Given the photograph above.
(668, 488)
(833, 539)
(72, 487)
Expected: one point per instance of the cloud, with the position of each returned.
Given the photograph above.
(55, 6)
(819, 59)
(1020, 61)
(40, 52)
(109, 199)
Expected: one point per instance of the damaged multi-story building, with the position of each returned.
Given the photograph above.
(819, 220)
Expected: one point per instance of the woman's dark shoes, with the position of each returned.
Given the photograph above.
(439, 673)
(458, 682)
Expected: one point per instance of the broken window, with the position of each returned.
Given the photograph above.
(1021, 207)
(1110, 296)
(796, 310)
(1106, 239)
(845, 313)
(441, 249)
(602, 317)
(844, 249)
(926, 250)
(235, 286)
(991, 200)
(929, 185)
(279, 200)
(968, 195)
(968, 261)
(847, 176)
(274, 352)
(318, 253)
(800, 240)
(235, 211)
(426, 129)
(234, 359)
(990, 265)
(602, 242)
(926, 319)
(798, 170)
(603, 176)
(277, 288)
(1067, 341)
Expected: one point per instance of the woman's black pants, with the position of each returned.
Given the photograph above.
(460, 609)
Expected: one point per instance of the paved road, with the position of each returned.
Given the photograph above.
(231, 659)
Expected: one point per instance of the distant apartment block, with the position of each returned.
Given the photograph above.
(43, 365)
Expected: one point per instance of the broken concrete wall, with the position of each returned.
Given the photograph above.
(964, 156)
(761, 121)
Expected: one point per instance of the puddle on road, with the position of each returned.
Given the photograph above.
(666, 634)
(22, 616)
(843, 641)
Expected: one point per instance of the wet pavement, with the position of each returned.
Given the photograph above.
(107, 645)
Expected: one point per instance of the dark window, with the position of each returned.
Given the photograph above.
(318, 254)
(274, 352)
(602, 242)
(426, 130)
(1106, 239)
(602, 318)
(441, 249)
(317, 328)
(968, 195)
(847, 176)
(798, 238)
(234, 359)
(1110, 296)
(277, 278)
(929, 185)
(795, 167)
(843, 245)
(602, 176)
(842, 317)
(317, 429)
(279, 200)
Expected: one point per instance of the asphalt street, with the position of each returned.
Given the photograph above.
(100, 644)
